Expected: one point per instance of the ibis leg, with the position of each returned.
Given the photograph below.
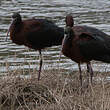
(90, 71)
(40, 67)
(80, 76)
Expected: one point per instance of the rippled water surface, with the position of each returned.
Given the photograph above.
(94, 13)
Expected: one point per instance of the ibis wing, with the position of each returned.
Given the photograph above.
(95, 49)
(45, 35)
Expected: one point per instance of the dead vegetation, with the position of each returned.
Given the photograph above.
(55, 91)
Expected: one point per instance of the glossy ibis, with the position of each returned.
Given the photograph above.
(83, 44)
(35, 33)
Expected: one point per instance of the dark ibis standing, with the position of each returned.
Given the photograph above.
(35, 33)
(83, 44)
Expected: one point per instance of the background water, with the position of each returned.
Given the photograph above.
(94, 13)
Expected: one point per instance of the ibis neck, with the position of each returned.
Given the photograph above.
(16, 24)
(17, 21)
(15, 29)
(68, 38)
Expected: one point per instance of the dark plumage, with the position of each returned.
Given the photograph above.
(35, 33)
(83, 44)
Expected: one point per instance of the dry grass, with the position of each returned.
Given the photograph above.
(55, 91)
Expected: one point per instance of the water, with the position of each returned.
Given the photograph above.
(94, 13)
